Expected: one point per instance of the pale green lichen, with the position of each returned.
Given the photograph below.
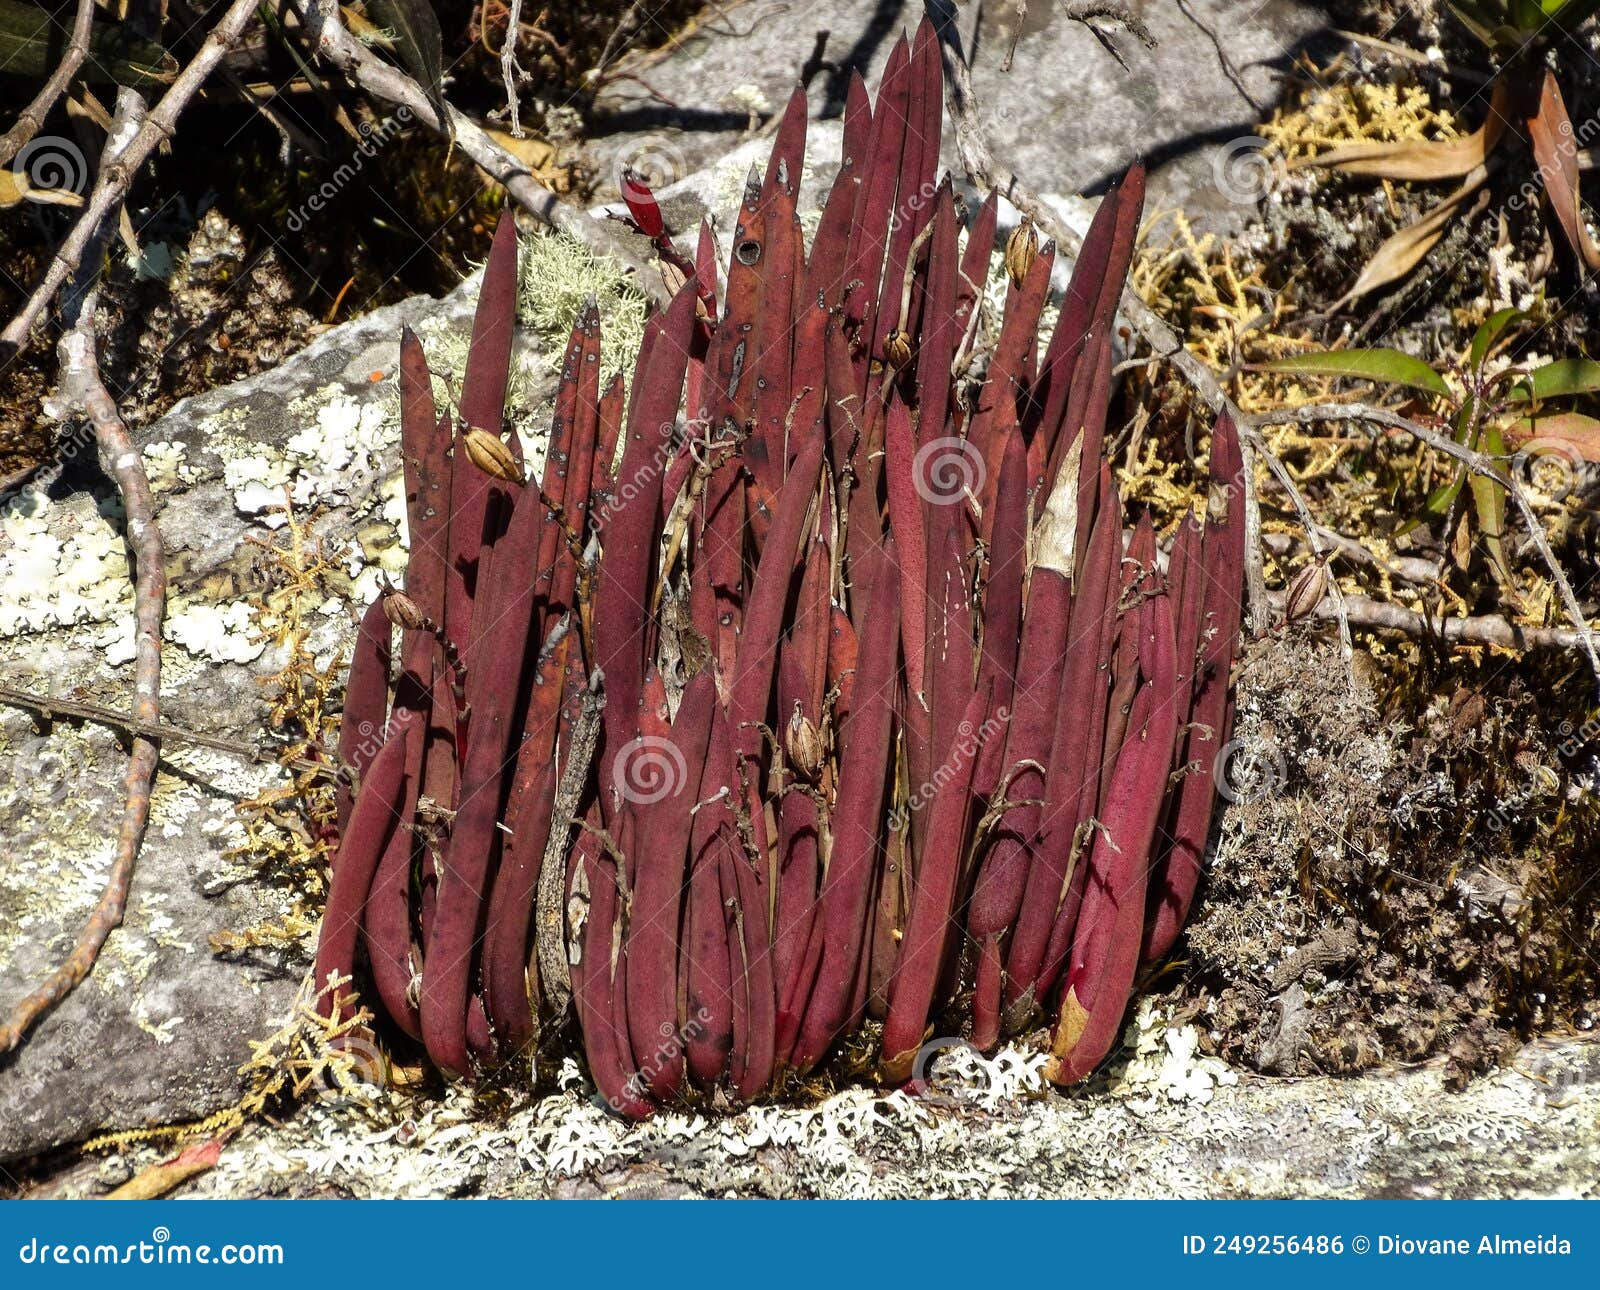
(556, 275)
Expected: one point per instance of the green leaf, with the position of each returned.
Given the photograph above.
(1569, 15)
(1385, 366)
(1530, 15)
(418, 43)
(1489, 500)
(1484, 338)
(1559, 380)
(1440, 500)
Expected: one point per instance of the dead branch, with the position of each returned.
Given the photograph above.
(370, 73)
(1093, 14)
(509, 71)
(1407, 568)
(1489, 629)
(27, 125)
(111, 186)
(82, 387)
(49, 707)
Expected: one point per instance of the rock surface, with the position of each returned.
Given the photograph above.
(1166, 1123)
(158, 1030)
(1066, 116)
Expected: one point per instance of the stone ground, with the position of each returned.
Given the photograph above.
(1162, 1124)
(158, 1032)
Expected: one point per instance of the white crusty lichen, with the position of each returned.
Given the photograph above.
(1165, 1063)
(1402, 1132)
(222, 633)
(59, 568)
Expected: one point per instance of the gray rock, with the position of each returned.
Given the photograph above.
(1067, 117)
(158, 1031)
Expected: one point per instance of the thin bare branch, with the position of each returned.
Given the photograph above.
(509, 71)
(326, 27)
(27, 124)
(82, 387)
(1363, 611)
(112, 184)
(50, 707)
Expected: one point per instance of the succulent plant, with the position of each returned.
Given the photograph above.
(809, 687)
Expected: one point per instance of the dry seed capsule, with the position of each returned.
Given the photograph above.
(1022, 249)
(491, 456)
(803, 743)
(1306, 591)
(403, 611)
(897, 349)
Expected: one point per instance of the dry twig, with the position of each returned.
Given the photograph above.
(112, 184)
(1479, 464)
(326, 26)
(27, 124)
(83, 388)
(1487, 629)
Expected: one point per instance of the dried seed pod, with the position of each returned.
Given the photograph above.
(802, 741)
(897, 348)
(1306, 591)
(1022, 249)
(403, 611)
(490, 455)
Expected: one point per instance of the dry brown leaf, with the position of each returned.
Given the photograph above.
(158, 1180)
(1419, 158)
(15, 189)
(1406, 249)
(1566, 432)
(1556, 151)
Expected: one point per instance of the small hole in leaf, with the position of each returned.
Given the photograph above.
(748, 252)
